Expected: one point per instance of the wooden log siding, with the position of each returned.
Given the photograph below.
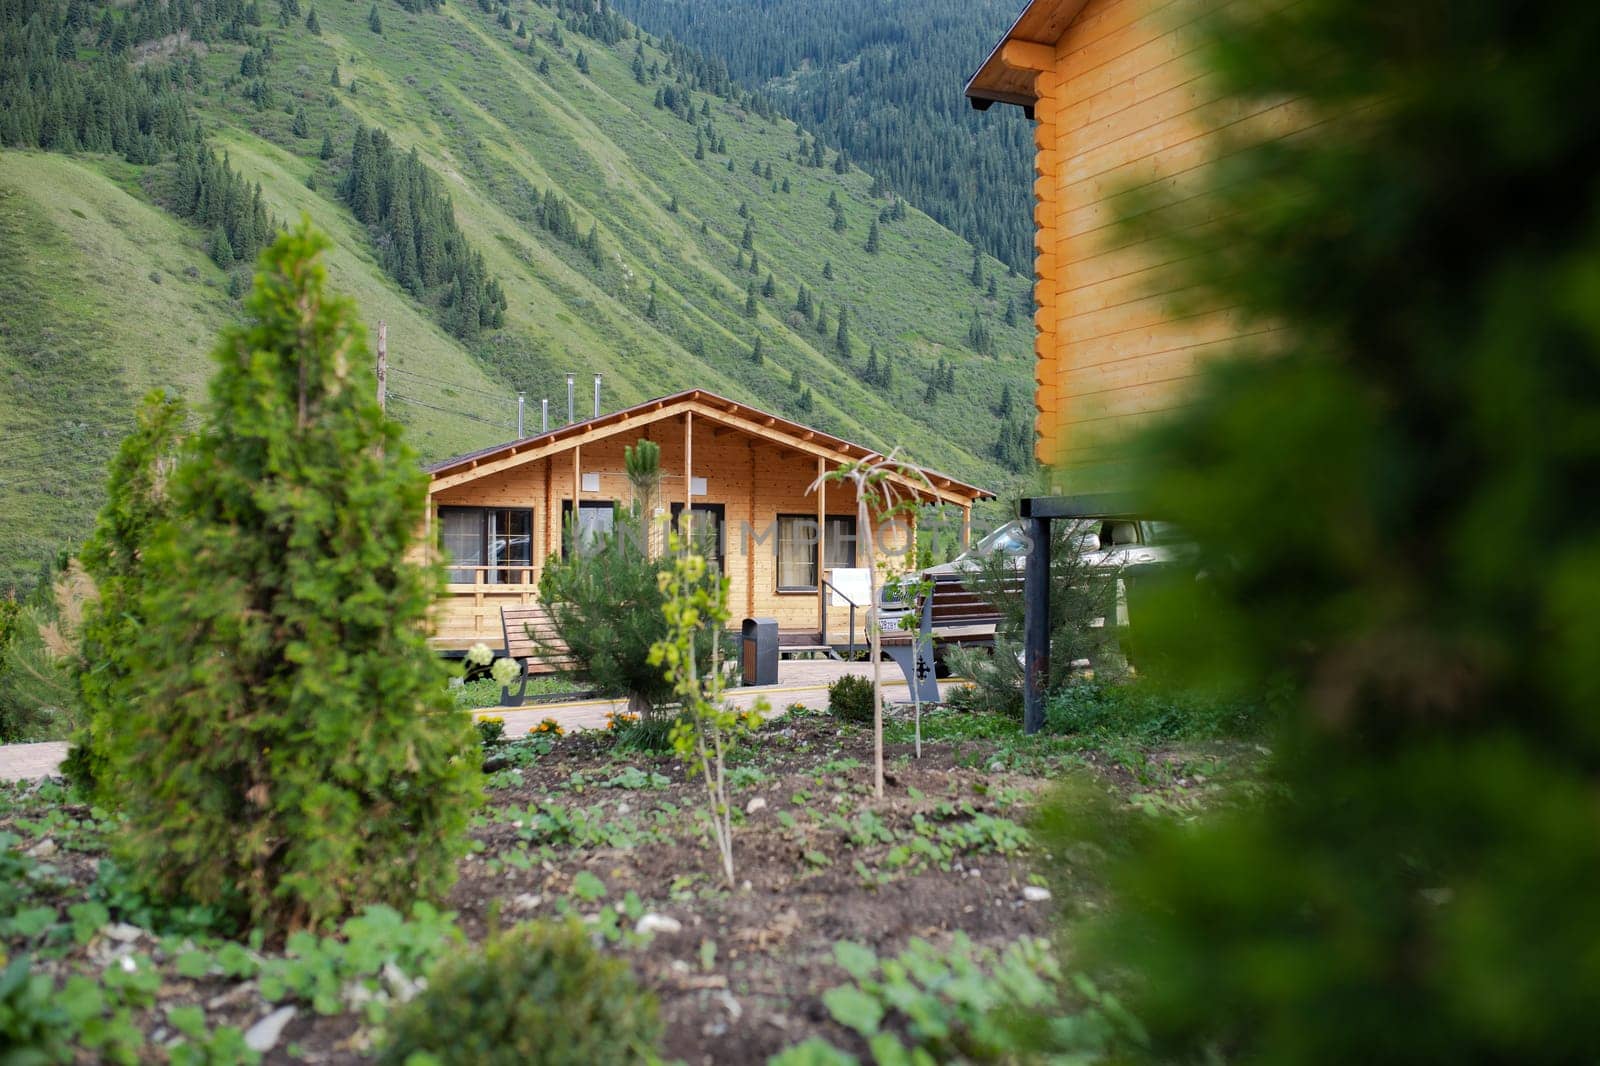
(753, 478)
(1121, 109)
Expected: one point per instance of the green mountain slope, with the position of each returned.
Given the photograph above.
(883, 82)
(106, 294)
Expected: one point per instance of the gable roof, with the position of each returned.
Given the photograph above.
(707, 405)
(1006, 76)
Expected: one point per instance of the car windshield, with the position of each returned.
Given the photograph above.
(1009, 539)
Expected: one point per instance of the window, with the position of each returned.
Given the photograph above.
(596, 520)
(495, 542)
(797, 549)
(706, 530)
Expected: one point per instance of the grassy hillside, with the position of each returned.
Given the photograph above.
(106, 294)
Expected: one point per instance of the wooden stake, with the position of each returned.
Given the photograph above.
(383, 366)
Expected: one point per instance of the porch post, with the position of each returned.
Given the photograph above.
(1035, 624)
(688, 471)
(577, 487)
(966, 527)
(822, 526)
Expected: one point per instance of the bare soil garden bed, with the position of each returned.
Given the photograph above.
(614, 837)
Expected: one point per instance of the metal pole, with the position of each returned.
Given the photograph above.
(383, 366)
(1035, 624)
(597, 395)
(544, 415)
(521, 401)
(571, 411)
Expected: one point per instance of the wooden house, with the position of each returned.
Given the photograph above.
(743, 476)
(1120, 110)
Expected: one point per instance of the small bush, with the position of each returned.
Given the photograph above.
(538, 994)
(850, 698)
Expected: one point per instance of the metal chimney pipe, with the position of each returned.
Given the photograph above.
(521, 402)
(597, 395)
(544, 415)
(572, 415)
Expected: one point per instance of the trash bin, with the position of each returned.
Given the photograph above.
(760, 651)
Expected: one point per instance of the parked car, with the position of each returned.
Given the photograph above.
(1111, 543)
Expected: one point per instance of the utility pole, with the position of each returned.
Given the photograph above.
(383, 365)
(520, 401)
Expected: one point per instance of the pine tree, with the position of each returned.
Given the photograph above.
(300, 127)
(522, 29)
(827, 269)
(976, 277)
(672, 204)
(221, 248)
(786, 186)
(311, 22)
(750, 306)
(841, 339)
(795, 384)
(744, 209)
(1011, 312)
(650, 308)
(326, 151)
(374, 22)
(755, 262)
(1006, 402)
(802, 302)
(333, 79)
(994, 288)
(930, 395)
(838, 220)
(872, 238)
(699, 147)
(293, 755)
(869, 373)
(748, 239)
(235, 285)
(770, 288)
(757, 351)
(583, 62)
(544, 66)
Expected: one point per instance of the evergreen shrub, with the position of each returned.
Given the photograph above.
(850, 698)
(292, 752)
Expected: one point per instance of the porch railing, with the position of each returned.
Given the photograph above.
(853, 605)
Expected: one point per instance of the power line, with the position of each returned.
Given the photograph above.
(449, 411)
(450, 384)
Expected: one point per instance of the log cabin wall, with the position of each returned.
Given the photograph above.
(1122, 111)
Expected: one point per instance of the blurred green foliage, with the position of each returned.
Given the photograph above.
(1394, 489)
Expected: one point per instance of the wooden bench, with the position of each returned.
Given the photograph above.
(951, 614)
(532, 640)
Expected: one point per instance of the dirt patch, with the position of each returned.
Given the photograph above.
(613, 836)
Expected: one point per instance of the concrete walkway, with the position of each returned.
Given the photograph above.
(799, 681)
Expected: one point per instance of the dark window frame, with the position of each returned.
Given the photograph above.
(591, 505)
(721, 511)
(496, 572)
(818, 550)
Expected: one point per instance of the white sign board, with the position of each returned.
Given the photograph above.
(850, 583)
(591, 483)
(697, 486)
